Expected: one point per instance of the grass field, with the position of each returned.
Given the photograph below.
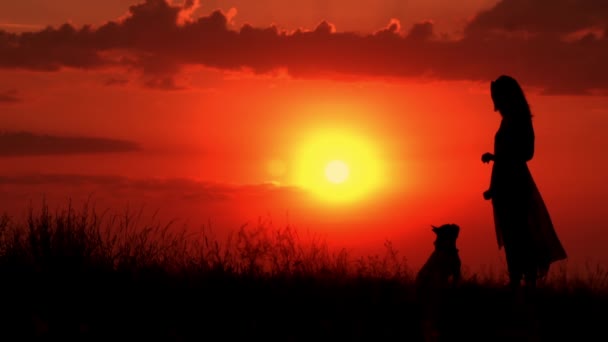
(78, 274)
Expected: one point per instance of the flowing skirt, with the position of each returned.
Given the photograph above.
(522, 222)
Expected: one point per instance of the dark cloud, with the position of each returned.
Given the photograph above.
(523, 38)
(179, 188)
(163, 83)
(220, 206)
(116, 82)
(421, 31)
(556, 17)
(9, 96)
(16, 144)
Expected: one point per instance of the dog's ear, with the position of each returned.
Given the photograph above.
(435, 229)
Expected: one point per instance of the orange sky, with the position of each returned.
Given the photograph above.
(183, 109)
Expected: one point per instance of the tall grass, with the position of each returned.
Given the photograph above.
(76, 240)
(79, 272)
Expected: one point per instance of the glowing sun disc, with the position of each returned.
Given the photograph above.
(337, 172)
(339, 166)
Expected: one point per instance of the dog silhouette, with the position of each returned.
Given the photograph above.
(441, 271)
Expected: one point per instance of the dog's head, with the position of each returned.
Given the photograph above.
(446, 235)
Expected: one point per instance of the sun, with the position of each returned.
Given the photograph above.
(337, 171)
(339, 166)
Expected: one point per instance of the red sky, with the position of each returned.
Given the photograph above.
(183, 108)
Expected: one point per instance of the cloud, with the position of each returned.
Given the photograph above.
(556, 17)
(116, 82)
(163, 83)
(225, 206)
(178, 188)
(421, 31)
(9, 96)
(526, 39)
(17, 144)
(178, 185)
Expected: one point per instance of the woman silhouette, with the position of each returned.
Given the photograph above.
(523, 225)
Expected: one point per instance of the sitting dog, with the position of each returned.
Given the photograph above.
(441, 271)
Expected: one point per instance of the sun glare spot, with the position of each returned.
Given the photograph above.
(337, 172)
(339, 166)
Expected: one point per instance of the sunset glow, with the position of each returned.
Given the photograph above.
(339, 167)
(337, 172)
(276, 167)
(363, 120)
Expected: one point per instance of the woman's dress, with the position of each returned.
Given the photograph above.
(522, 222)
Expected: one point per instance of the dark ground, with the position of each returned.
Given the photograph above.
(62, 276)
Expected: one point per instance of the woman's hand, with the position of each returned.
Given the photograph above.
(487, 157)
(487, 195)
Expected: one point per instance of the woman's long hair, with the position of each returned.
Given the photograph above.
(505, 89)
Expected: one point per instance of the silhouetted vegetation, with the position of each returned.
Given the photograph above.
(91, 276)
